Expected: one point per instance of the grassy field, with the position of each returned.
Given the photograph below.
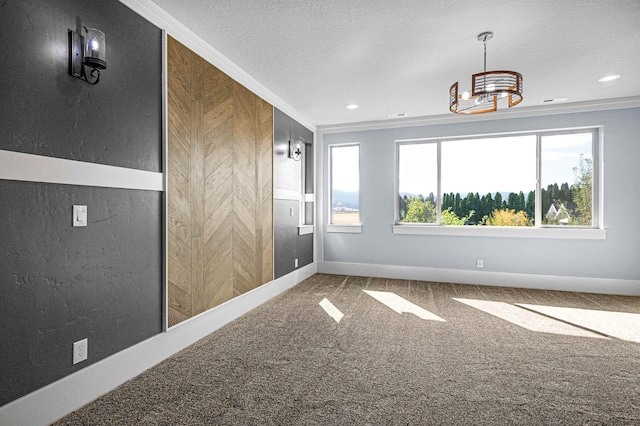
(346, 217)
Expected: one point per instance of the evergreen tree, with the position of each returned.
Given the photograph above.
(520, 203)
(565, 193)
(555, 192)
(469, 204)
(402, 206)
(498, 201)
(531, 204)
(546, 200)
(445, 201)
(488, 205)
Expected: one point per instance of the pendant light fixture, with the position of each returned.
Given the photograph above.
(488, 88)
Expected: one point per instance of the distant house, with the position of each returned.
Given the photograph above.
(558, 214)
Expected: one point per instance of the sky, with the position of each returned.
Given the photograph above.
(504, 164)
(345, 168)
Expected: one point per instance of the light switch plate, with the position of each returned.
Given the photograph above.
(79, 215)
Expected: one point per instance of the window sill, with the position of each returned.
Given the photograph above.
(502, 231)
(350, 228)
(305, 229)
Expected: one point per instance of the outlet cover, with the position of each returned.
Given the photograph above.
(479, 264)
(80, 350)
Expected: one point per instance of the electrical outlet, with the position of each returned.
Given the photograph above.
(296, 263)
(80, 350)
(479, 264)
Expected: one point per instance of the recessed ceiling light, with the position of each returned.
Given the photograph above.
(609, 78)
(553, 101)
(398, 115)
(353, 106)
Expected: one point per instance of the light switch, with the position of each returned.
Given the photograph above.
(79, 215)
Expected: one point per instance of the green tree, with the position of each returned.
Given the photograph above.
(431, 198)
(531, 204)
(446, 203)
(512, 201)
(448, 217)
(565, 193)
(402, 206)
(583, 191)
(420, 211)
(520, 202)
(508, 217)
(498, 201)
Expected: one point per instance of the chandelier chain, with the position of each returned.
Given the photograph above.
(485, 55)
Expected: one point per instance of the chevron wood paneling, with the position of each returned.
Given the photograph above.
(220, 197)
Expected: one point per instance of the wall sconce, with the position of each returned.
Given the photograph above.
(295, 150)
(87, 50)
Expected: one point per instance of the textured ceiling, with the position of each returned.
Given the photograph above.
(402, 56)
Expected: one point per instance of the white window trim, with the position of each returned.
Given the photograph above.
(305, 229)
(502, 231)
(345, 228)
(596, 232)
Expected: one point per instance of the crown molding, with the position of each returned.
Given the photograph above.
(160, 18)
(533, 111)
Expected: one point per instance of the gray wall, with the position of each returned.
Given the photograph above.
(46, 111)
(60, 284)
(287, 244)
(615, 257)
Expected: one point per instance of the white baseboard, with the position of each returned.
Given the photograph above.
(501, 279)
(53, 401)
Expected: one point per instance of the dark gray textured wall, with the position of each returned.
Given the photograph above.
(60, 284)
(46, 111)
(287, 244)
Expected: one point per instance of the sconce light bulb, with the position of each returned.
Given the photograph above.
(94, 44)
(479, 100)
(491, 87)
(465, 96)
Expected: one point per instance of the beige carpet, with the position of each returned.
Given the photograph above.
(456, 354)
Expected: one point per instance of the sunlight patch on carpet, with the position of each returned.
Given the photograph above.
(621, 325)
(400, 305)
(527, 319)
(330, 309)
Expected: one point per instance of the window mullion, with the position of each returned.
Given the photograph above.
(538, 210)
(439, 186)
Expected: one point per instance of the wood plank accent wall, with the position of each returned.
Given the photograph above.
(220, 196)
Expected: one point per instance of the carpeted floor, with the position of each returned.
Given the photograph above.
(289, 362)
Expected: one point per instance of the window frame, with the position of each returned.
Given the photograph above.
(350, 228)
(595, 231)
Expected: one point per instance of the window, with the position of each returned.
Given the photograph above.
(344, 175)
(418, 182)
(535, 180)
(567, 179)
